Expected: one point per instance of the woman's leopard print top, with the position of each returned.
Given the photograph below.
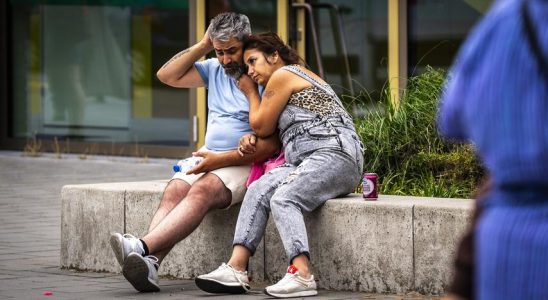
(317, 101)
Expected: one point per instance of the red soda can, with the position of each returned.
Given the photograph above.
(370, 186)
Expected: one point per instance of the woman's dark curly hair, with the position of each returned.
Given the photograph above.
(270, 42)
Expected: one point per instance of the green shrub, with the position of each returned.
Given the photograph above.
(403, 147)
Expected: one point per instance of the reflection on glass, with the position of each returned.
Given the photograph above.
(437, 29)
(364, 35)
(261, 13)
(85, 70)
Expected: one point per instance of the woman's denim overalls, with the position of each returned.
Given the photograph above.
(324, 160)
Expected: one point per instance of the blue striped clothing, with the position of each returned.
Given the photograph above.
(497, 98)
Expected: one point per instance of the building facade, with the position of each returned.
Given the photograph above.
(79, 75)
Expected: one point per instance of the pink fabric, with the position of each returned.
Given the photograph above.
(259, 168)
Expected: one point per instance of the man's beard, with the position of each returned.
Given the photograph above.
(234, 70)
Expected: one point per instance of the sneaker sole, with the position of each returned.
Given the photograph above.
(117, 246)
(292, 295)
(215, 287)
(135, 270)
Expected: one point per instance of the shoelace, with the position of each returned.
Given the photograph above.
(154, 260)
(235, 275)
(135, 241)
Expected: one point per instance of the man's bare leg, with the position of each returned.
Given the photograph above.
(208, 193)
(174, 192)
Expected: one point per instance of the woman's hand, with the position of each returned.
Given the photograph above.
(246, 145)
(247, 85)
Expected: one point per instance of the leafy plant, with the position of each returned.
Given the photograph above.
(403, 146)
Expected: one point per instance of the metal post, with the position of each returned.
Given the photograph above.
(312, 23)
(341, 46)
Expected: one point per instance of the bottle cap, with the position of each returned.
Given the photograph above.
(176, 168)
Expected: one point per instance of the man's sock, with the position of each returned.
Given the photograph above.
(145, 247)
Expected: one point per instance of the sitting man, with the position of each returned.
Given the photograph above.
(218, 181)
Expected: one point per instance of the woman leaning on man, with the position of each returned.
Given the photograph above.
(324, 160)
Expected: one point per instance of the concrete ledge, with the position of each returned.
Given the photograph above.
(88, 214)
(438, 226)
(91, 212)
(396, 244)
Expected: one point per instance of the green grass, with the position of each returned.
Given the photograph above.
(403, 146)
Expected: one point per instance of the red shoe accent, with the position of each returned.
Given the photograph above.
(292, 269)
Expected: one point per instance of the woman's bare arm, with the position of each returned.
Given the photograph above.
(264, 114)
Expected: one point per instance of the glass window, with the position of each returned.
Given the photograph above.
(363, 32)
(85, 70)
(261, 13)
(437, 28)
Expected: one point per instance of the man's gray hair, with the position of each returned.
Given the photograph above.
(228, 25)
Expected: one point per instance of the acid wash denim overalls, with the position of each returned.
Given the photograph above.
(324, 160)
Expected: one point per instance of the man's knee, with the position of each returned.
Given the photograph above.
(209, 192)
(175, 191)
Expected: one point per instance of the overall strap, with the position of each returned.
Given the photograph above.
(297, 71)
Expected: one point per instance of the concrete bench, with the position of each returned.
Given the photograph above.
(393, 245)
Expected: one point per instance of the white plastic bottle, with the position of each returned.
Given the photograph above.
(186, 164)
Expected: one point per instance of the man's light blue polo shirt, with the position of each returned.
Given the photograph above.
(228, 116)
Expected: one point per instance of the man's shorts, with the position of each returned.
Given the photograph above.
(233, 177)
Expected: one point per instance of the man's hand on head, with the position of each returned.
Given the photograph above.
(206, 40)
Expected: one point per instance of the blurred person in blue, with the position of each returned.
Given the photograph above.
(497, 98)
(218, 181)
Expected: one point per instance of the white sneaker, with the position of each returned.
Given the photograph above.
(292, 285)
(123, 245)
(142, 272)
(224, 280)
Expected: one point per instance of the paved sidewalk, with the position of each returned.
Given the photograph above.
(30, 213)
